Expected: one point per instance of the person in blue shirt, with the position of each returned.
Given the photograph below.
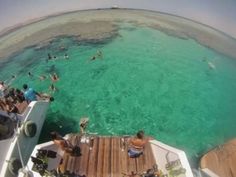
(30, 94)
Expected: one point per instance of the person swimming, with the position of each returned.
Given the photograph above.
(54, 77)
(66, 56)
(42, 77)
(211, 65)
(93, 58)
(52, 88)
(49, 56)
(97, 55)
(30, 74)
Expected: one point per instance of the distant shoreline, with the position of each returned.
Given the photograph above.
(101, 23)
(16, 27)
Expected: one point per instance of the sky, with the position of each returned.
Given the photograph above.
(220, 14)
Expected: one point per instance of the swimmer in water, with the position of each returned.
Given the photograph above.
(66, 56)
(211, 65)
(98, 55)
(54, 77)
(52, 88)
(42, 77)
(30, 74)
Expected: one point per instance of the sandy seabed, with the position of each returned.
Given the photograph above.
(102, 24)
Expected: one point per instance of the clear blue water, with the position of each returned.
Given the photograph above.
(145, 80)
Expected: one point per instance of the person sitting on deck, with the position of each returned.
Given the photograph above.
(8, 106)
(3, 88)
(136, 145)
(65, 145)
(19, 95)
(30, 94)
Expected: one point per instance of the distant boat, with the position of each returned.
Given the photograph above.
(115, 7)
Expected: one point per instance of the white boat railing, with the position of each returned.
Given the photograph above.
(169, 157)
(35, 112)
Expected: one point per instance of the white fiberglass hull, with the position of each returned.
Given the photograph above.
(20, 143)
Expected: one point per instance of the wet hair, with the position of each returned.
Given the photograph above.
(25, 86)
(140, 134)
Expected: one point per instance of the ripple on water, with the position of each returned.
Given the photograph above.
(145, 80)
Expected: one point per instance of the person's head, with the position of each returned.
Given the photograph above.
(1, 82)
(140, 134)
(11, 91)
(54, 135)
(25, 86)
(17, 91)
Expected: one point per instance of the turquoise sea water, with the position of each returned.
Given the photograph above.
(145, 80)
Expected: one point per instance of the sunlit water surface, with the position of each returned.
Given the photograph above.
(176, 90)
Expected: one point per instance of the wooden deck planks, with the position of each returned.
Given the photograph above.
(149, 159)
(106, 158)
(115, 158)
(92, 168)
(106, 165)
(100, 156)
(63, 166)
(84, 159)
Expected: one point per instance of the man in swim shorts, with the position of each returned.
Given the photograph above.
(136, 144)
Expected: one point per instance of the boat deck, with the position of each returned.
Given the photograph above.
(221, 160)
(107, 157)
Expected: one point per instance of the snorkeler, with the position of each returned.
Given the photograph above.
(54, 77)
(97, 55)
(52, 88)
(66, 56)
(30, 74)
(49, 56)
(93, 58)
(42, 77)
(211, 65)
